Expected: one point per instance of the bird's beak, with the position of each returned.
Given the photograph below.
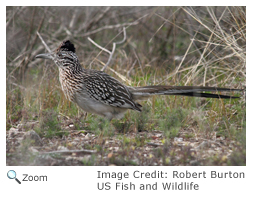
(45, 56)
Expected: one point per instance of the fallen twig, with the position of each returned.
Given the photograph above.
(71, 151)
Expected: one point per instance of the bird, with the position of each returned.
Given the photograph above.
(99, 93)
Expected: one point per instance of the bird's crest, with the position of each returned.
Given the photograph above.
(67, 45)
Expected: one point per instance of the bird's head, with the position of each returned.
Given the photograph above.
(63, 56)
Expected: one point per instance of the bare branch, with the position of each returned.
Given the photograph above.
(98, 45)
(113, 48)
(111, 54)
(73, 19)
(43, 42)
(124, 39)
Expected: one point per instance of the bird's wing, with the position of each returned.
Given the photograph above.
(108, 90)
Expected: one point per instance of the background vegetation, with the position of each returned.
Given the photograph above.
(165, 45)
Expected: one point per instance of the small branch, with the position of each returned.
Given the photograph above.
(111, 54)
(113, 48)
(93, 42)
(154, 144)
(71, 151)
(43, 42)
(21, 87)
(124, 39)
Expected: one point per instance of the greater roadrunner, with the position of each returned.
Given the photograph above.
(97, 92)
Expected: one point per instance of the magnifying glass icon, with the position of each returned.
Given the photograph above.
(12, 175)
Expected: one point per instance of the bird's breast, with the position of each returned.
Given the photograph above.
(69, 83)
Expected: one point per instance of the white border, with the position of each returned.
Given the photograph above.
(71, 182)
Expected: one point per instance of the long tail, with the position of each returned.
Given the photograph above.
(140, 93)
